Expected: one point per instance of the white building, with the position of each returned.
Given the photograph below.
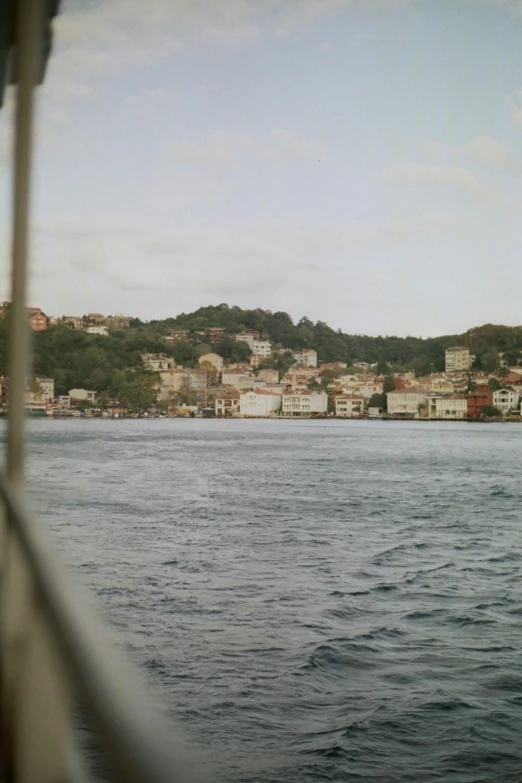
(262, 348)
(306, 358)
(81, 395)
(45, 388)
(407, 402)
(458, 358)
(305, 403)
(101, 330)
(452, 406)
(259, 403)
(157, 361)
(239, 380)
(349, 406)
(506, 400)
(213, 359)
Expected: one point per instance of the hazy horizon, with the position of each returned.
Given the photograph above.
(355, 161)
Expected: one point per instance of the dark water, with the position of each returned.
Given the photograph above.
(334, 601)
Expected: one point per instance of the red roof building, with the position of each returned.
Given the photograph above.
(482, 395)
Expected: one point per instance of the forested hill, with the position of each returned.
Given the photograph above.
(331, 345)
(112, 364)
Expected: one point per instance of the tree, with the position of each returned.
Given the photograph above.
(494, 384)
(490, 361)
(382, 368)
(388, 385)
(378, 401)
(313, 385)
(490, 412)
(503, 371)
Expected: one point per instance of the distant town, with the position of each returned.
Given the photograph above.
(274, 381)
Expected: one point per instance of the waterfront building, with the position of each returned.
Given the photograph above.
(305, 403)
(349, 406)
(406, 403)
(481, 396)
(227, 404)
(451, 406)
(506, 400)
(82, 395)
(259, 403)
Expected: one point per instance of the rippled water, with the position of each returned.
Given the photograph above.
(316, 601)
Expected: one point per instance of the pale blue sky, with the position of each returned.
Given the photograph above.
(356, 161)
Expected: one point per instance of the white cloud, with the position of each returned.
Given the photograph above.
(491, 151)
(286, 146)
(515, 110)
(230, 258)
(219, 150)
(419, 174)
(482, 149)
(222, 149)
(94, 39)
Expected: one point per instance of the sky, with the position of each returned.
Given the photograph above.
(355, 161)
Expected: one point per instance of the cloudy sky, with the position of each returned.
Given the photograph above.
(357, 161)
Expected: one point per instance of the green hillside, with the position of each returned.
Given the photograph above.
(113, 364)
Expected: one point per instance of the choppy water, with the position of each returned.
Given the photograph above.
(336, 601)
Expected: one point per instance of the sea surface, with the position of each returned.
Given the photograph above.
(313, 601)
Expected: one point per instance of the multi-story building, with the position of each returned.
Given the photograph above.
(82, 395)
(214, 360)
(44, 388)
(254, 360)
(227, 404)
(349, 406)
(262, 348)
(157, 361)
(37, 319)
(458, 358)
(305, 403)
(259, 403)
(481, 396)
(118, 321)
(451, 406)
(506, 400)
(238, 380)
(98, 329)
(177, 335)
(76, 321)
(406, 403)
(307, 357)
(247, 336)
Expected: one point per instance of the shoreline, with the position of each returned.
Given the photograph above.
(272, 418)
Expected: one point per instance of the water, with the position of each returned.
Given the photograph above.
(315, 601)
